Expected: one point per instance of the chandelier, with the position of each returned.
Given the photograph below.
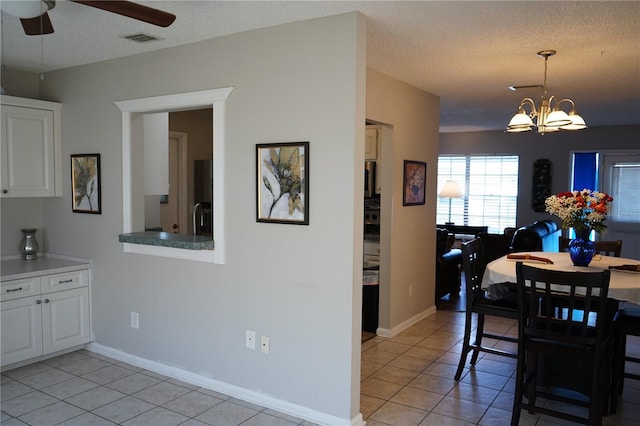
(548, 119)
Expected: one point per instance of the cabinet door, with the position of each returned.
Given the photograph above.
(65, 319)
(27, 152)
(371, 144)
(21, 329)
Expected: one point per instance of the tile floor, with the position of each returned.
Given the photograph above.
(86, 389)
(406, 381)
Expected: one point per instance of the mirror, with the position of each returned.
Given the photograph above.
(178, 171)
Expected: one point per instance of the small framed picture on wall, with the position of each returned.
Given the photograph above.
(414, 181)
(85, 183)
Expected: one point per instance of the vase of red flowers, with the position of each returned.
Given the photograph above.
(584, 211)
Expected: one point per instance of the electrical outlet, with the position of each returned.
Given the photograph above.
(135, 320)
(265, 344)
(250, 339)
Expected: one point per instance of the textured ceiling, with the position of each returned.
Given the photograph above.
(467, 53)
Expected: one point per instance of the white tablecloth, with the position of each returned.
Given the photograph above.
(623, 286)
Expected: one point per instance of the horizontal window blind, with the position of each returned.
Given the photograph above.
(490, 190)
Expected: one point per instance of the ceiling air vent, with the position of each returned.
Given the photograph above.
(142, 38)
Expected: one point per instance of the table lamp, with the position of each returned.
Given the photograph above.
(450, 190)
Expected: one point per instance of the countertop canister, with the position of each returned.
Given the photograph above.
(29, 247)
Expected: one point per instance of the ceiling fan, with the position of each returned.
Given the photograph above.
(35, 19)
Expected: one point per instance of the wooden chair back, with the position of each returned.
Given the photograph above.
(605, 248)
(561, 306)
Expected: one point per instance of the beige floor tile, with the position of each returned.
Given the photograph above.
(417, 398)
(434, 384)
(435, 419)
(439, 369)
(460, 409)
(488, 380)
(393, 347)
(410, 363)
(396, 375)
(369, 404)
(476, 394)
(379, 388)
(425, 353)
(400, 415)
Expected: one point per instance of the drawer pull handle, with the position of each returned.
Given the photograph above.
(38, 302)
(46, 300)
(10, 290)
(65, 281)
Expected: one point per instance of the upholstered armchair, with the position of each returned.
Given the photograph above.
(448, 263)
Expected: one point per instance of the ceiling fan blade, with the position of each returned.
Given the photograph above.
(37, 26)
(133, 10)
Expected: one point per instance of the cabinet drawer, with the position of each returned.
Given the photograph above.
(65, 281)
(17, 289)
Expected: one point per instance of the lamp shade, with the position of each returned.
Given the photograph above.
(450, 190)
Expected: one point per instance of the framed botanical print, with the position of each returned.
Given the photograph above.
(283, 182)
(85, 183)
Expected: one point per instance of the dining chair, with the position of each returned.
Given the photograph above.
(625, 323)
(606, 248)
(565, 343)
(473, 266)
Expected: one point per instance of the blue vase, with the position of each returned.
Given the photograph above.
(581, 249)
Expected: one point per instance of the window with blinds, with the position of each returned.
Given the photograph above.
(489, 186)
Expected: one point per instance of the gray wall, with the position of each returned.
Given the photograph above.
(299, 285)
(558, 148)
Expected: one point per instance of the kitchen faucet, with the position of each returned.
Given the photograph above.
(195, 210)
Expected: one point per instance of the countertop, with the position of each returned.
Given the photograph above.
(165, 239)
(15, 269)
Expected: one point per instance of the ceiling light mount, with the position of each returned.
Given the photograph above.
(548, 119)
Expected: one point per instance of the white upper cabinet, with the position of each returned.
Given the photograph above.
(30, 148)
(371, 144)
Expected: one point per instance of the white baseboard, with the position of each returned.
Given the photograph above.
(226, 388)
(388, 333)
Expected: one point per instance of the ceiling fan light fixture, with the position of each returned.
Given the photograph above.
(26, 9)
(547, 119)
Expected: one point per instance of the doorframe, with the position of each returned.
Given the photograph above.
(183, 176)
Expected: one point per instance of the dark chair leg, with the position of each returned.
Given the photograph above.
(465, 344)
(478, 342)
(517, 399)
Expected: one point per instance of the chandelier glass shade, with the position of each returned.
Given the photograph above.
(549, 116)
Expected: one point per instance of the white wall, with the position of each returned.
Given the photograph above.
(558, 148)
(407, 233)
(299, 285)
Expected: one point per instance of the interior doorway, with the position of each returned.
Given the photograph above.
(174, 207)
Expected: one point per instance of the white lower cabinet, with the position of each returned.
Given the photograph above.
(56, 318)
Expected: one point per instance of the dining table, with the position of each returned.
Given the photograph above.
(624, 285)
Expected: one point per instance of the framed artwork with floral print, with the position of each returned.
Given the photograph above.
(85, 183)
(283, 182)
(414, 181)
